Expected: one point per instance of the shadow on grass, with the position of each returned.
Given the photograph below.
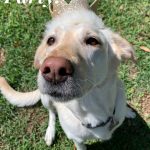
(134, 134)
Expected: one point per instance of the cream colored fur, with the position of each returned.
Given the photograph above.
(17, 98)
(102, 90)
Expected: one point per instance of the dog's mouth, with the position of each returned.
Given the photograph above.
(63, 91)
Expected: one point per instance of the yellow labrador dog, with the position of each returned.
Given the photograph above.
(77, 61)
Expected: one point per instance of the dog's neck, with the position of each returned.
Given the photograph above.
(100, 100)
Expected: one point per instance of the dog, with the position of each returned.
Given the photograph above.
(77, 61)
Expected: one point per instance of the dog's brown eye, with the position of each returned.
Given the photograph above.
(92, 41)
(51, 41)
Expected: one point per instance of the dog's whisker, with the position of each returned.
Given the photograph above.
(86, 80)
(79, 86)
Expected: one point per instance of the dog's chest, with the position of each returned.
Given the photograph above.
(93, 109)
(73, 125)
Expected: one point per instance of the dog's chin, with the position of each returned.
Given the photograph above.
(62, 92)
(61, 97)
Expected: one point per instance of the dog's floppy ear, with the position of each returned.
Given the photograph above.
(120, 46)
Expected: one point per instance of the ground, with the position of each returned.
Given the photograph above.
(2, 57)
(21, 29)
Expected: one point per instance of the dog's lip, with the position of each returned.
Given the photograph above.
(63, 91)
(63, 97)
(55, 83)
(56, 94)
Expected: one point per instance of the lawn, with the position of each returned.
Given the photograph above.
(21, 29)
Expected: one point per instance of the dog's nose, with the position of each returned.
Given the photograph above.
(56, 69)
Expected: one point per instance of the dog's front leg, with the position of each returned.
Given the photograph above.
(79, 146)
(50, 132)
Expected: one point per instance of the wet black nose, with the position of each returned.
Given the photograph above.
(56, 69)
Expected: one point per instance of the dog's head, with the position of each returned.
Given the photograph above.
(77, 53)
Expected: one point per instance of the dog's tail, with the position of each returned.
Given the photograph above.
(18, 98)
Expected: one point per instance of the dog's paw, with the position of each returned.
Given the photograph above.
(130, 113)
(49, 136)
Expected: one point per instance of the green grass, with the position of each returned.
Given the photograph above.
(21, 29)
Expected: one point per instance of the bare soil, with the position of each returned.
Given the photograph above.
(2, 57)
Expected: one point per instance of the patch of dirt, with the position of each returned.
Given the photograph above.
(2, 56)
(145, 106)
(35, 117)
(133, 71)
(2, 145)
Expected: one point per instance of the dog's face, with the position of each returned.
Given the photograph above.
(77, 54)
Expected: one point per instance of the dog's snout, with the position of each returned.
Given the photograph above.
(56, 69)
